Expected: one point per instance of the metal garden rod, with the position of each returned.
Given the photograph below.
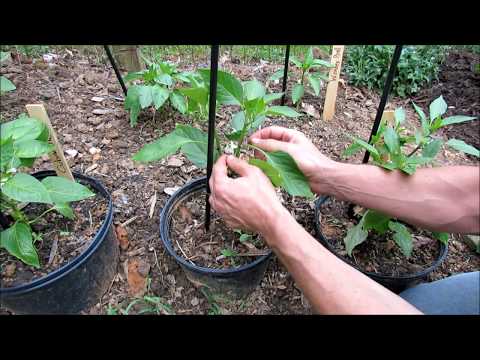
(285, 73)
(211, 126)
(383, 100)
(114, 65)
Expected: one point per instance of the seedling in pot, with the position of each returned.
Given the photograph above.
(22, 141)
(158, 86)
(314, 78)
(254, 104)
(388, 149)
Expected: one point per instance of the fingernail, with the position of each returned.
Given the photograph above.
(255, 140)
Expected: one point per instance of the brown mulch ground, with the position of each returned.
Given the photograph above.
(67, 89)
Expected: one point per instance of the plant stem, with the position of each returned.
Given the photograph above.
(414, 150)
(219, 145)
(41, 215)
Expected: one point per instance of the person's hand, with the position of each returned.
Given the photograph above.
(309, 159)
(248, 202)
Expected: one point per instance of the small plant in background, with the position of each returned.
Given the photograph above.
(254, 102)
(312, 78)
(388, 150)
(5, 84)
(21, 142)
(158, 86)
(367, 65)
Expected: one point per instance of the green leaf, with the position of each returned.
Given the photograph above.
(161, 148)
(198, 94)
(462, 146)
(431, 149)
(7, 155)
(365, 145)
(418, 160)
(65, 210)
(6, 85)
(234, 136)
(32, 148)
(418, 136)
(315, 83)
(256, 123)
(178, 102)
(132, 103)
(229, 89)
(245, 237)
(23, 128)
(423, 120)
(308, 58)
(277, 75)
(399, 115)
(374, 220)
(293, 180)
(63, 190)
(25, 188)
(402, 237)
(228, 253)
(441, 236)
(456, 120)
(197, 148)
(17, 240)
(438, 107)
(352, 149)
(269, 170)
(145, 95)
(297, 93)
(320, 62)
(282, 110)
(4, 55)
(355, 236)
(253, 89)
(296, 61)
(238, 121)
(164, 79)
(159, 95)
(272, 97)
(391, 140)
(133, 76)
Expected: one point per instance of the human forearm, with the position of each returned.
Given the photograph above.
(439, 199)
(331, 286)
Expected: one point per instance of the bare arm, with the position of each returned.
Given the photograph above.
(332, 286)
(439, 199)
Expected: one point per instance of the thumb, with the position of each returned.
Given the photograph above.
(271, 144)
(239, 166)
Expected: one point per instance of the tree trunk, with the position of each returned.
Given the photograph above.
(128, 57)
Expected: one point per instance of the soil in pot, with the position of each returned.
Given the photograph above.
(379, 253)
(62, 240)
(220, 248)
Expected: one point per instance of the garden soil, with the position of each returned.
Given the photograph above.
(85, 105)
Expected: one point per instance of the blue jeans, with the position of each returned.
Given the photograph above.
(455, 295)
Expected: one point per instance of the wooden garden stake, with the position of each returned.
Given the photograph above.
(389, 116)
(59, 162)
(332, 87)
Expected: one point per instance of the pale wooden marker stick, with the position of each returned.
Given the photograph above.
(389, 116)
(332, 87)
(57, 158)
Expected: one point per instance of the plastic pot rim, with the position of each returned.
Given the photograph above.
(177, 196)
(443, 252)
(80, 259)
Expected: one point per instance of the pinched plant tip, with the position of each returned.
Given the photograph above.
(388, 149)
(22, 141)
(254, 104)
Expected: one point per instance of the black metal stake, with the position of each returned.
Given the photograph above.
(211, 126)
(383, 100)
(285, 73)
(114, 66)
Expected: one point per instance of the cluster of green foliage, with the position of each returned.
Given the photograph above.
(254, 106)
(5, 84)
(367, 65)
(388, 150)
(21, 142)
(158, 86)
(314, 78)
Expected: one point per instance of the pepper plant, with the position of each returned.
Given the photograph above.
(21, 142)
(314, 77)
(388, 149)
(5, 84)
(158, 86)
(254, 107)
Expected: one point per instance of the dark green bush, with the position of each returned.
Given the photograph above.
(367, 65)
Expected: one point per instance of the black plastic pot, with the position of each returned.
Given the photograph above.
(395, 283)
(233, 283)
(78, 284)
